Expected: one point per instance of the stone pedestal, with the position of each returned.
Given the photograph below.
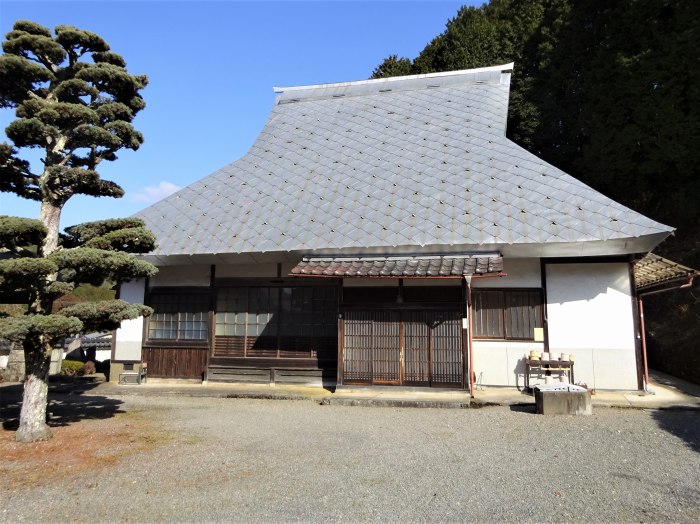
(563, 402)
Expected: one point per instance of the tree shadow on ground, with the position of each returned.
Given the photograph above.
(683, 423)
(67, 404)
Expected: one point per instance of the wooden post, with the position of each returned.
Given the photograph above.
(402, 345)
(471, 345)
(644, 343)
(545, 321)
(341, 335)
(639, 342)
(212, 319)
(465, 341)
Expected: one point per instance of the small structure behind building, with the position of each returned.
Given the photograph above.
(14, 368)
(92, 346)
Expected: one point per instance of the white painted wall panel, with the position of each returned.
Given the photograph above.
(127, 339)
(195, 275)
(500, 363)
(248, 270)
(589, 308)
(522, 272)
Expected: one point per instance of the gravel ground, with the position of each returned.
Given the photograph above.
(271, 461)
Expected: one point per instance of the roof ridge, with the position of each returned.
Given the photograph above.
(499, 74)
(500, 68)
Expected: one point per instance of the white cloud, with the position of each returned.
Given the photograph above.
(150, 194)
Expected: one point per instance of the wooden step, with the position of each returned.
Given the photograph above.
(269, 375)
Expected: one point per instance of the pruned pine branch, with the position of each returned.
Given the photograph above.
(85, 265)
(105, 315)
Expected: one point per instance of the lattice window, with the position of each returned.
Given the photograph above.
(280, 321)
(178, 316)
(507, 314)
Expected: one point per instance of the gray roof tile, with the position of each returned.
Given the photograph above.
(416, 166)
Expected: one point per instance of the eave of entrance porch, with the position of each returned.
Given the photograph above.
(417, 266)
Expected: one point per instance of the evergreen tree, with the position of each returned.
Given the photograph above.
(75, 101)
(499, 32)
(618, 104)
(393, 66)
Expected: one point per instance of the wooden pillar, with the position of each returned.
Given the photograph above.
(212, 318)
(470, 338)
(465, 336)
(341, 335)
(545, 321)
(639, 343)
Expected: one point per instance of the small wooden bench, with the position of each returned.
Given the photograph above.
(544, 366)
(134, 376)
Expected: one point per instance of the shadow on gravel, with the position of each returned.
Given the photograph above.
(524, 408)
(67, 405)
(683, 423)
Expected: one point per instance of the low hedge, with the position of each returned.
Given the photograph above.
(72, 368)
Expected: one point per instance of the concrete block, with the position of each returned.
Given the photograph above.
(563, 402)
(14, 372)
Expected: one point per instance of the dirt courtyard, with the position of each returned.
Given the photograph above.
(155, 459)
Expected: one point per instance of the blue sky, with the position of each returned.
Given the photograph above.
(212, 66)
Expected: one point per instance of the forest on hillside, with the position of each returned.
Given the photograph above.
(608, 92)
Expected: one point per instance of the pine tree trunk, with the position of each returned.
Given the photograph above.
(37, 351)
(50, 216)
(32, 418)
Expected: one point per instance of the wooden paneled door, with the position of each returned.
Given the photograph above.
(419, 348)
(181, 362)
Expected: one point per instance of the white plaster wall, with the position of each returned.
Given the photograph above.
(500, 363)
(127, 339)
(522, 272)
(195, 275)
(249, 270)
(589, 310)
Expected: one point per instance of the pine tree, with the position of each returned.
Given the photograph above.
(75, 101)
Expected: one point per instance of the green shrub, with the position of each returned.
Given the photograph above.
(72, 368)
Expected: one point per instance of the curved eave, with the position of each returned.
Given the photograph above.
(598, 248)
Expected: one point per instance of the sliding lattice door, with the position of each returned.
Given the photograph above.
(422, 348)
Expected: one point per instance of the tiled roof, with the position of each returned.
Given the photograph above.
(408, 162)
(653, 270)
(436, 266)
